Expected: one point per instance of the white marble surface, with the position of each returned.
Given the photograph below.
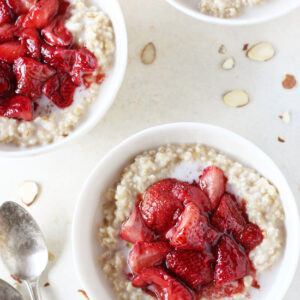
(184, 84)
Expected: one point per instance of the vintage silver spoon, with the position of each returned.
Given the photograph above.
(22, 246)
(7, 292)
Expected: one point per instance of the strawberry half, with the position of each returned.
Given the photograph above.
(20, 7)
(41, 14)
(192, 230)
(10, 51)
(134, 228)
(144, 254)
(232, 263)
(6, 15)
(31, 40)
(192, 267)
(213, 183)
(31, 75)
(19, 107)
(250, 237)
(159, 207)
(56, 34)
(228, 217)
(165, 286)
(7, 32)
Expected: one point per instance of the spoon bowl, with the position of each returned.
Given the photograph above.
(7, 292)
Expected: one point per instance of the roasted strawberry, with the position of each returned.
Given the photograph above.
(232, 262)
(145, 254)
(193, 267)
(165, 286)
(31, 75)
(64, 8)
(250, 237)
(190, 193)
(19, 22)
(60, 58)
(31, 40)
(213, 183)
(4, 82)
(192, 230)
(20, 7)
(7, 32)
(56, 34)
(19, 107)
(228, 217)
(41, 14)
(159, 207)
(10, 51)
(134, 228)
(6, 14)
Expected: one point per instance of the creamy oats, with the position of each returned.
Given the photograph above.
(226, 8)
(91, 27)
(186, 162)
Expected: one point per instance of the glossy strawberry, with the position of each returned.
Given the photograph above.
(213, 183)
(64, 8)
(20, 7)
(7, 32)
(56, 34)
(6, 14)
(145, 254)
(31, 76)
(192, 231)
(4, 82)
(41, 14)
(166, 287)
(190, 193)
(232, 263)
(31, 40)
(250, 237)
(18, 107)
(12, 50)
(60, 90)
(159, 207)
(134, 228)
(193, 267)
(228, 217)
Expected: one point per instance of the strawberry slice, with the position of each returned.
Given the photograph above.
(192, 230)
(213, 182)
(228, 216)
(6, 15)
(159, 207)
(10, 51)
(7, 32)
(56, 34)
(31, 75)
(41, 14)
(232, 263)
(190, 193)
(250, 237)
(166, 287)
(31, 40)
(60, 58)
(20, 7)
(144, 254)
(192, 267)
(19, 107)
(135, 229)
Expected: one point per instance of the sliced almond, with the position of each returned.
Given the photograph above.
(245, 47)
(236, 98)
(228, 63)
(285, 117)
(148, 54)
(261, 51)
(280, 139)
(28, 192)
(289, 81)
(222, 49)
(84, 294)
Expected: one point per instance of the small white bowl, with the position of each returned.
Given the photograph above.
(87, 217)
(108, 90)
(271, 9)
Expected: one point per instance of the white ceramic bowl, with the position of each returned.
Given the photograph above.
(108, 89)
(271, 9)
(87, 216)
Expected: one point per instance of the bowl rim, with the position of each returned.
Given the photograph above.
(230, 21)
(118, 79)
(80, 204)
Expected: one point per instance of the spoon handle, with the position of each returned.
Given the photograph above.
(33, 287)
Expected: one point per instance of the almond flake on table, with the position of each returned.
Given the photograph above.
(222, 49)
(289, 81)
(245, 47)
(236, 98)
(228, 63)
(285, 117)
(263, 51)
(28, 192)
(148, 54)
(281, 139)
(84, 294)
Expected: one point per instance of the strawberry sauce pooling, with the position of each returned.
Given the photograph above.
(190, 240)
(39, 57)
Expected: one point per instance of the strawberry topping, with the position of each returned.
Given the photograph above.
(10, 51)
(31, 40)
(18, 107)
(20, 7)
(6, 14)
(7, 32)
(250, 237)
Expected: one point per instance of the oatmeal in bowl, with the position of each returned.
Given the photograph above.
(204, 216)
(62, 63)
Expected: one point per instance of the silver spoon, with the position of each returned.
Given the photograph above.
(22, 246)
(7, 292)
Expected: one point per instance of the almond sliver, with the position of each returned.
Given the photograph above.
(261, 51)
(236, 98)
